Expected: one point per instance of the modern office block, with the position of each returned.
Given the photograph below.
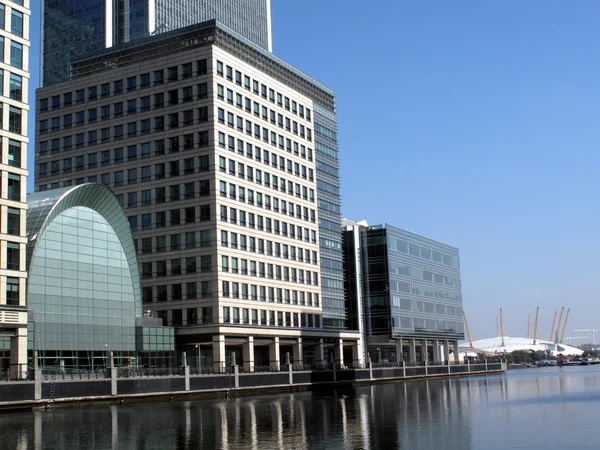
(14, 82)
(72, 30)
(406, 291)
(83, 289)
(211, 145)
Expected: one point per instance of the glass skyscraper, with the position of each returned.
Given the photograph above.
(73, 29)
(405, 288)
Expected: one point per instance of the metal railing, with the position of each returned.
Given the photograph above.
(68, 374)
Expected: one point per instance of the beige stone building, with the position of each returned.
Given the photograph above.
(14, 81)
(209, 144)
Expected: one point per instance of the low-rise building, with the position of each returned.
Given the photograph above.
(403, 293)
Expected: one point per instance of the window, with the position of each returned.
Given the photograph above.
(12, 291)
(118, 87)
(16, 55)
(132, 176)
(172, 73)
(13, 221)
(118, 109)
(186, 70)
(14, 187)
(132, 106)
(16, 86)
(14, 153)
(132, 201)
(202, 90)
(14, 120)
(131, 84)
(190, 239)
(119, 178)
(159, 76)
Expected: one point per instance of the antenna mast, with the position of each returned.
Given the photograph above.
(562, 336)
(535, 330)
(502, 326)
(555, 337)
(468, 330)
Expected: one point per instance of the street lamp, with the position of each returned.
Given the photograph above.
(198, 361)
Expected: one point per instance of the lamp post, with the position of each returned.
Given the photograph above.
(198, 360)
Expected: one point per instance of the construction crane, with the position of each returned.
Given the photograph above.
(590, 330)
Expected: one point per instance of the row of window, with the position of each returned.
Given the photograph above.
(130, 84)
(228, 239)
(267, 179)
(266, 247)
(175, 194)
(270, 318)
(161, 146)
(175, 243)
(159, 293)
(202, 213)
(261, 89)
(238, 145)
(252, 197)
(261, 111)
(231, 315)
(264, 224)
(160, 171)
(273, 272)
(161, 123)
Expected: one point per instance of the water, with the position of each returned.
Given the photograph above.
(549, 408)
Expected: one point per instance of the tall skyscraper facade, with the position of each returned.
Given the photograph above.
(212, 146)
(71, 30)
(14, 82)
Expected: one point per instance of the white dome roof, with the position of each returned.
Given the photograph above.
(494, 345)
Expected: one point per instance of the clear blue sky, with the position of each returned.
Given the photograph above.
(473, 123)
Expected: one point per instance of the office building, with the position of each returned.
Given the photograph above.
(72, 30)
(83, 289)
(403, 292)
(14, 83)
(211, 145)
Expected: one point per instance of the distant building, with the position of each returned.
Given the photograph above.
(14, 86)
(403, 293)
(72, 30)
(83, 288)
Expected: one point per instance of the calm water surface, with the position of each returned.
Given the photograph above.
(549, 408)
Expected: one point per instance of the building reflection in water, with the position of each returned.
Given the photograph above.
(424, 414)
